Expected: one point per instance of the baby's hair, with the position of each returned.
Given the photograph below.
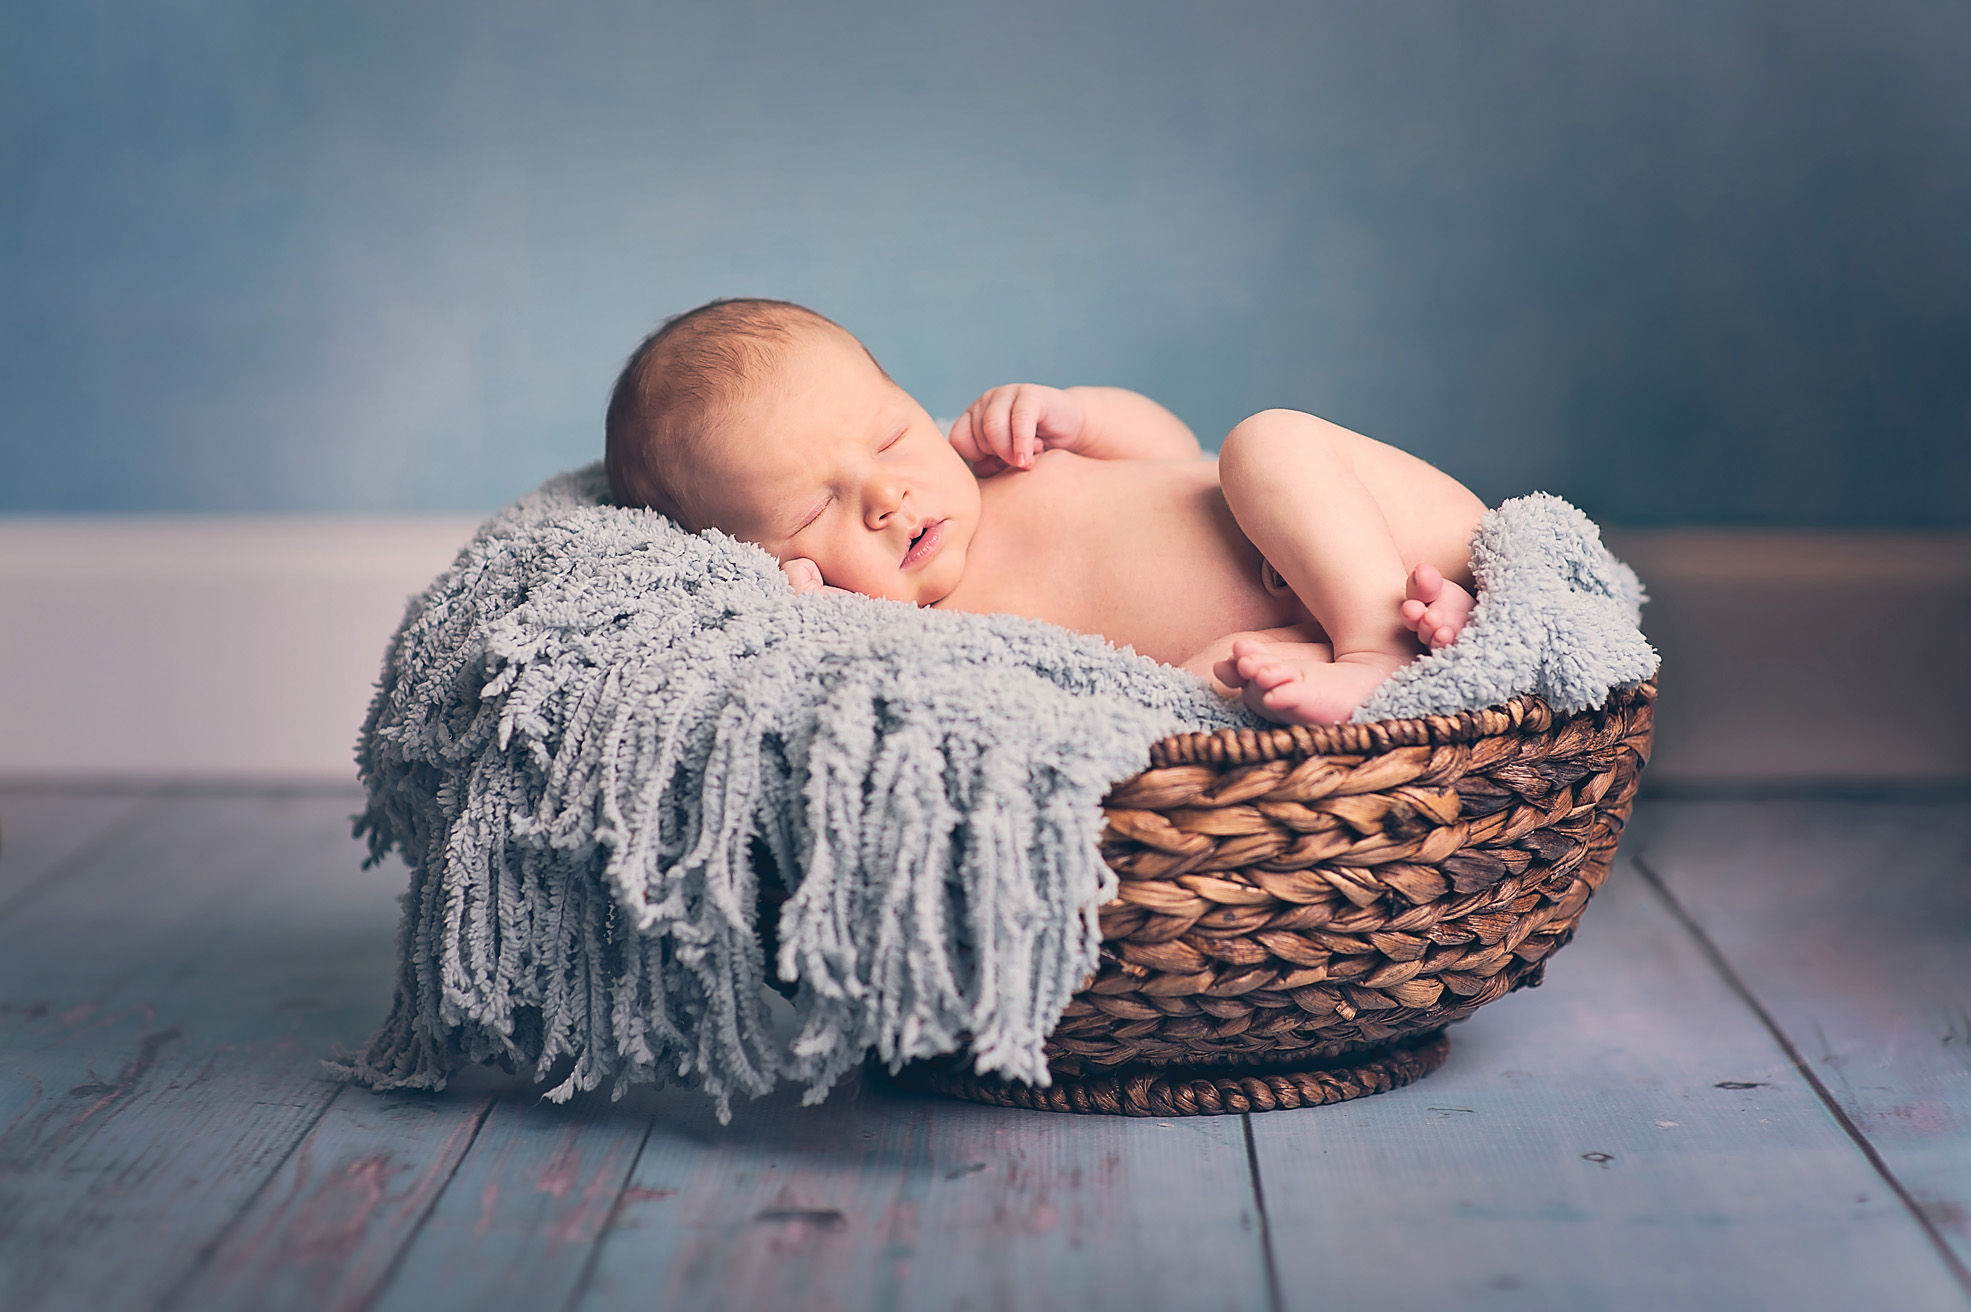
(679, 380)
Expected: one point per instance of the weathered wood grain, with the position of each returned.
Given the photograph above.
(1850, 923)
(516, 1226)
(1627, 1137)
(328, 1228)
(165, 1007)
(40, 828)
(884, 1199)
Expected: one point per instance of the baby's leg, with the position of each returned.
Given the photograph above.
(1296, 485)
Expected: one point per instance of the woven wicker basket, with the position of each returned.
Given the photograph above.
(1302, 911)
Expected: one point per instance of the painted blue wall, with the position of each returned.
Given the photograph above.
(1705, 261)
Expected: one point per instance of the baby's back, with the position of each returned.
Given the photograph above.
(1143, 552)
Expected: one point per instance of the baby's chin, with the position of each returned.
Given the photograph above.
(927, 586)
(941, 581)
(908, 590)
(899, 588)
(925, 596)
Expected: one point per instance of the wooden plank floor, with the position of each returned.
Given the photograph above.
(1747, 1084)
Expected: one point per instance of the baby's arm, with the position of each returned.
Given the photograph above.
(1010, 426)
(1126, 425)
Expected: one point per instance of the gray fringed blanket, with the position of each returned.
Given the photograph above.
(595, 735)
(1557, 616)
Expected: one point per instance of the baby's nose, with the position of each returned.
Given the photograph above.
(885, 498)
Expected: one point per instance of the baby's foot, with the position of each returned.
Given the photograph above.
(1215, 664)
(1285, 682)
(1436, 609)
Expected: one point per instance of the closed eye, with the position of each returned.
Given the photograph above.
(818, 510)
(894, 438)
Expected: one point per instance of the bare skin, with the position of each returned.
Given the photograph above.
(1096, 509)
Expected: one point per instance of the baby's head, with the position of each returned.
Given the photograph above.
(682, 386)
(772, 423)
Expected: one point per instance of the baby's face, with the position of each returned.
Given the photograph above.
(833, 462)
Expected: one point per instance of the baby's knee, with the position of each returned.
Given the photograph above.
(1263, 440)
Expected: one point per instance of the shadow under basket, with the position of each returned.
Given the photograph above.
(1302, 911)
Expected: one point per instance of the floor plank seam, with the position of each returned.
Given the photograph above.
(586, 1275)
(88, 851)
(1274, 1302)
(169, 1299)
(486, 1106)
(1847, 1123)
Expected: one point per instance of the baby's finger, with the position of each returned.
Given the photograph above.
(1023, 418)
(965, 439)
(1227, 672)
(803, 575)
(999, 423)
(962, 439)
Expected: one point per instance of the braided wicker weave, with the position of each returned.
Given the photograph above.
(1303, 910)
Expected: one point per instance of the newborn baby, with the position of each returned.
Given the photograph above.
(1295, 571)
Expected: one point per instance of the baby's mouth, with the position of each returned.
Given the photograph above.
(925, 545)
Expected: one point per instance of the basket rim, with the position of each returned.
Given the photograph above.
(1234, 747)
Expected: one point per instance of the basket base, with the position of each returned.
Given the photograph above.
(1177, 1091)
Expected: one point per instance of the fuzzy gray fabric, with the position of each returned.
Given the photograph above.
(589, 729)
(1557, 616)
(595, 731)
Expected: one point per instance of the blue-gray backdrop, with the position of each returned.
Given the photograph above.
(1682, 262)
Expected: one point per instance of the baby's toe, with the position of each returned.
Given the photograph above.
(1280, 699)
(1272, 674)
(1277, 703)
(1425, 583)
(1299, 703)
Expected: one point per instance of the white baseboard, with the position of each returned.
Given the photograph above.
(223, 649)
(201, 647)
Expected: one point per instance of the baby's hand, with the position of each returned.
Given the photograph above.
(1010, 426)
(803, 575)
